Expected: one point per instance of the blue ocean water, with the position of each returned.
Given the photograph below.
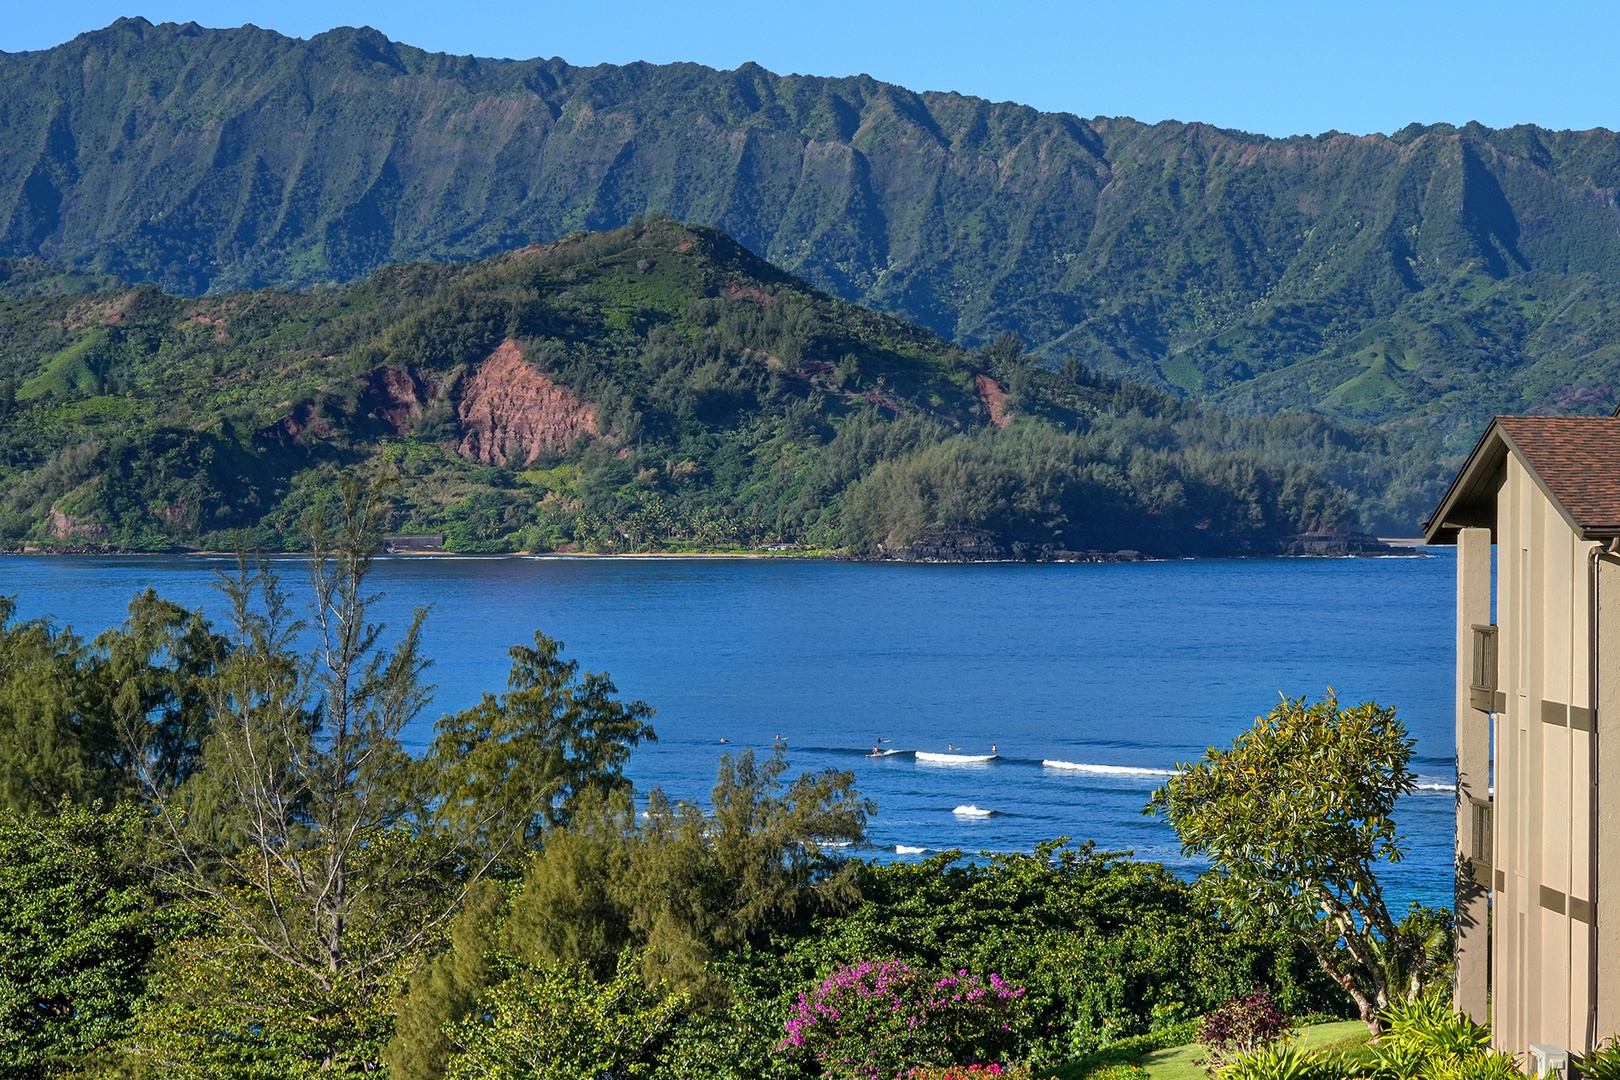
(1118, 672)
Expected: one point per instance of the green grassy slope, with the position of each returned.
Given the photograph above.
(1433, 276)
(1347, 1037)
(659, 387)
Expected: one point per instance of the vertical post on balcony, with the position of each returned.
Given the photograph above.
(1473, 779)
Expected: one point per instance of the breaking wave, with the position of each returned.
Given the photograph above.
(1104, 770)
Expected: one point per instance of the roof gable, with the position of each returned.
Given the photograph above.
(1574, 459)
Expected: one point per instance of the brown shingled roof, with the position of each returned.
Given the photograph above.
(1578, 459)
(1575, 459)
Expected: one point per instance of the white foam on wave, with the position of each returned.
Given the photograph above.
(1104, 770)
(886, 753)
(955, 759)
(972, 811)
(908, 849)
(1424, 783)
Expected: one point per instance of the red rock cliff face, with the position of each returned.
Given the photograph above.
(511, 414)
(397, 396)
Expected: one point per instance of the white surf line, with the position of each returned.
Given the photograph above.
(1424, 783)
(1103, 770)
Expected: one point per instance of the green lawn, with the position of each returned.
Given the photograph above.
(1348, 1037)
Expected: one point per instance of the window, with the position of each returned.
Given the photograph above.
(1480, 850)
(1482, 684)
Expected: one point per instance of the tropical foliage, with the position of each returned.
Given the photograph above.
(272, 887)
(558, 1023)
(273, 905)
(77, 931)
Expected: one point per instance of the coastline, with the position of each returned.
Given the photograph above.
(970, 548)
(203, 553)
(1092, 558)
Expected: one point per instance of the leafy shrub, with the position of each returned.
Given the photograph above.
(558, 1023)
(1241, 1026)
(218, 1010)
(1398, 1061)
(877, 1018)
(1106, 948)
(1282, 1061)
(1486, 1065)
(1602, 1063)
(1427, 1036)
(78, 930)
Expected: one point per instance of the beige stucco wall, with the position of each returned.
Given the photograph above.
(1608, 798)
(1541, 940)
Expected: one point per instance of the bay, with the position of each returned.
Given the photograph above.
(1118, 671)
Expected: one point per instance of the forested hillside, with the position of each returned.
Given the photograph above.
(1435, 276)
(655, 388)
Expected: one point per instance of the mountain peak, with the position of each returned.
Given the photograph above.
(1329, 272)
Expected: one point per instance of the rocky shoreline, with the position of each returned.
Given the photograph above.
(976, 546)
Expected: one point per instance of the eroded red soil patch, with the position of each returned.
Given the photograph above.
(512, 414)
(397, 396)
(994, 398)
(734, 291)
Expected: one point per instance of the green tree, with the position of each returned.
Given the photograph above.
(157, 670)
(447, 988)
(298, 834)
(563, 911)
(1295, 819)
(513, 765)
(54, 743)
(764, 856)
(569, 907)
(677, 889)
(80, 723)
(541, 766)
(77, 927)
(556, 1022)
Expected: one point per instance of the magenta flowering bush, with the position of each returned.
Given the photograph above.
(969, 1072)
(879, 1018)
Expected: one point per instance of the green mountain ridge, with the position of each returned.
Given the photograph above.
(1430, 277)
(656, 388)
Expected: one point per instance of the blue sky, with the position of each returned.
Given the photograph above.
(1277, 68)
